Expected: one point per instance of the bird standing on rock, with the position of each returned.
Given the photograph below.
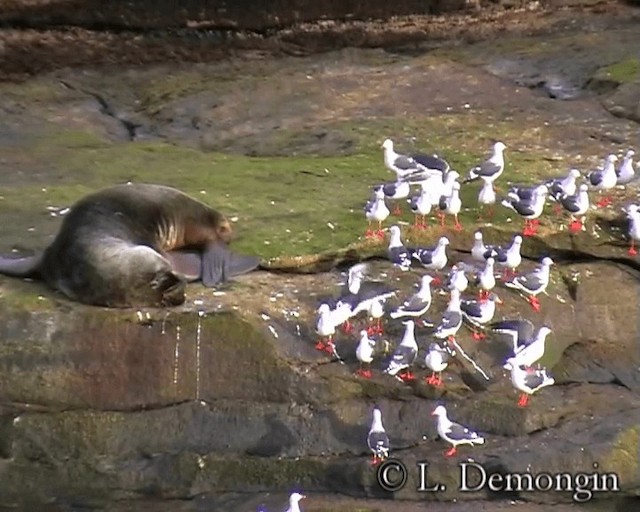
(566, 186)
(364, 354)
(626, 173)
(378, 440)
(397, 253)
(577, 205)
(509, 257)
(478, 313)
(418, 304)
(437, 360)
(404, 355)
(533, 283)
(433, 258)
(485, 279)
(451, 319)
(527, 380)
(604, 179)
(528, 207)
(633, 215)
(454, 433)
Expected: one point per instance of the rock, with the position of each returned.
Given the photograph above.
(625, 101)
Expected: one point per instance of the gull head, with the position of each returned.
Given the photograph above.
(388, 144)
(426, 279)
(546, 261)
(544, 330)
(630, 153)
(324, 308)
(517, 240)
(439, 411)
(499, 147)
(477, 236)
(583, 187)
(574, 173)
(612, 158)
(443, 241)
(296, 497)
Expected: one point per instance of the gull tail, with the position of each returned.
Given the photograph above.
(477, 440)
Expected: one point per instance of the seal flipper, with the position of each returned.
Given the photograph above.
(242, 264)
(21, 267)
(219, 264)
(186, 263)
(215, 264)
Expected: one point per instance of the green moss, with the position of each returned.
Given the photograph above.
(623, 457)
(623, 71)
(286, 206)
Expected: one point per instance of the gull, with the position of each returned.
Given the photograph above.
(487, 197)
(454, 433)
(625, 173)
(376, 312)
(478, 313)
(451, 205)
(397, 253)
(418, 304)
(529, 208)
(451, 319)
(530, 354)
(421, 206)
(633, 214)
(457, 279)
(437, 359)
(533, 283)
(404, 355)
(527, 380)
(397, 190)
(376, 211)
(433, 258)
(479, 251)
(604, 179)
(364, 354)
(577, 205)
(360, 294)
(492, 168)
(407, 167)
(444, 190)
(326, 327)
(485, 279)
(294, 502)
(521, 332)
(509, 257)
(565, 186)
(378, 440)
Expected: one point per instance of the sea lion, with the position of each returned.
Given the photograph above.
(135, 245)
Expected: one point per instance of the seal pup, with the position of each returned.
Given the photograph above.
(135, 245)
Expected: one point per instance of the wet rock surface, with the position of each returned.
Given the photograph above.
(223, 404)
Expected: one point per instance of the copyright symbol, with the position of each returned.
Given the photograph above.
(392, 475)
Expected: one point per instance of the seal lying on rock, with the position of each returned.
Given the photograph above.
(135, 245)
